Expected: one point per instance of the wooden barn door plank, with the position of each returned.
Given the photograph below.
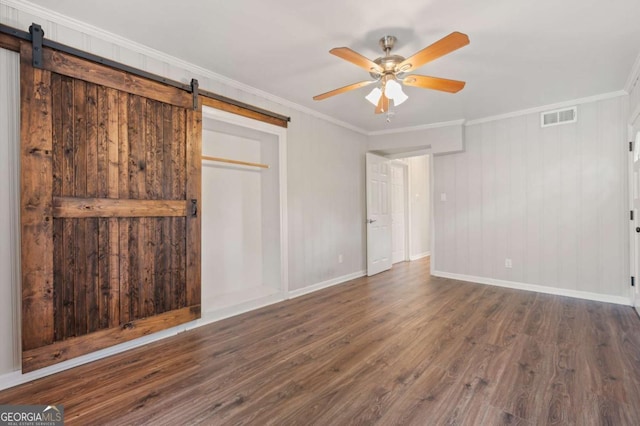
(58, 225)
(194, 184)
(35, 204)
(113, 191)
(164, 256)
(124, 224)
(64, 64)
(178, 228)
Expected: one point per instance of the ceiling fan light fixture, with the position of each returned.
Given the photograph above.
(374, 96)
(393, 90)
(400, 98)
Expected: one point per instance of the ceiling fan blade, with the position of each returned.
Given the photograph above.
(445, 45)
(356, 58)
(383, 104)
(435, 83)
(342, 90)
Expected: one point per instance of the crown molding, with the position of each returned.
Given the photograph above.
(83, 27)
(548, 107)
(634, 75)
(459, 122)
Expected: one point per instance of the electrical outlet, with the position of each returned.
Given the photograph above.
(340, 258)
(508, 264)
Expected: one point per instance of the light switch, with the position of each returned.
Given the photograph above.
(443, 196)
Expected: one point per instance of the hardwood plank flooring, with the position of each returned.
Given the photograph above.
(398, 348)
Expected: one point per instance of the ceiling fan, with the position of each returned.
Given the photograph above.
(390, 70)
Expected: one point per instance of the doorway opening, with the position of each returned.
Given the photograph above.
(398, 209)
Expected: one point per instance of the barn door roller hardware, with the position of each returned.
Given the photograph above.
(194, 91)
(37, 35)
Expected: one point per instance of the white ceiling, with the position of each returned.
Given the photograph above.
(523, 53)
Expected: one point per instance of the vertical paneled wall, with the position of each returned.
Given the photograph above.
(326, 201)
(9, 193)
(552, 200)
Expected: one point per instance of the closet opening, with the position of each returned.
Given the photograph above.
(244, 261)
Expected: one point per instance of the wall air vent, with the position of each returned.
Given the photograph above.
(559, 116)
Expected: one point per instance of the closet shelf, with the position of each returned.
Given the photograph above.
(241, 163)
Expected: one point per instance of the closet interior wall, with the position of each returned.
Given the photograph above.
(241, 217)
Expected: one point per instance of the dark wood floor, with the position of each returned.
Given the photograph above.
(397, 348)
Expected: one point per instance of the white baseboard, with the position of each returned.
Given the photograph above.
(325, 284)
(16, 378)
(537, 288)
(232, 311)
(420, 256)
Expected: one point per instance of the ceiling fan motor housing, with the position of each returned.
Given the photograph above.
(388, 62)
(387, 42)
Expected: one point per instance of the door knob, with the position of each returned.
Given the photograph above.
(373, 220)
(638, 229)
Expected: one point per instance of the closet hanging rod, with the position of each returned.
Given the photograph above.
(242, 163)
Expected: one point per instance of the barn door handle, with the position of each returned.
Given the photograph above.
(194, 208)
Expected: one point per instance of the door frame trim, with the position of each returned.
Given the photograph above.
(407, 216)
(633, 129)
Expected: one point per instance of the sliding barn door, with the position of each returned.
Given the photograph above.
(110, 184)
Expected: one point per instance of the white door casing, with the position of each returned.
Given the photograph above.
(378, 214)
(398, 212)
(634, 188)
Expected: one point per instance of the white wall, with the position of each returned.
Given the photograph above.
(325, 163)
(9, 190)
(553, 200)
(633, 88)
(419, 198)
(326, 202)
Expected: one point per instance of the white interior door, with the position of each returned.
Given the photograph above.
(398, 212)
(634, 186)
(378, 214)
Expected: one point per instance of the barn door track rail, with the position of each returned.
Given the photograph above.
(35, 35)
